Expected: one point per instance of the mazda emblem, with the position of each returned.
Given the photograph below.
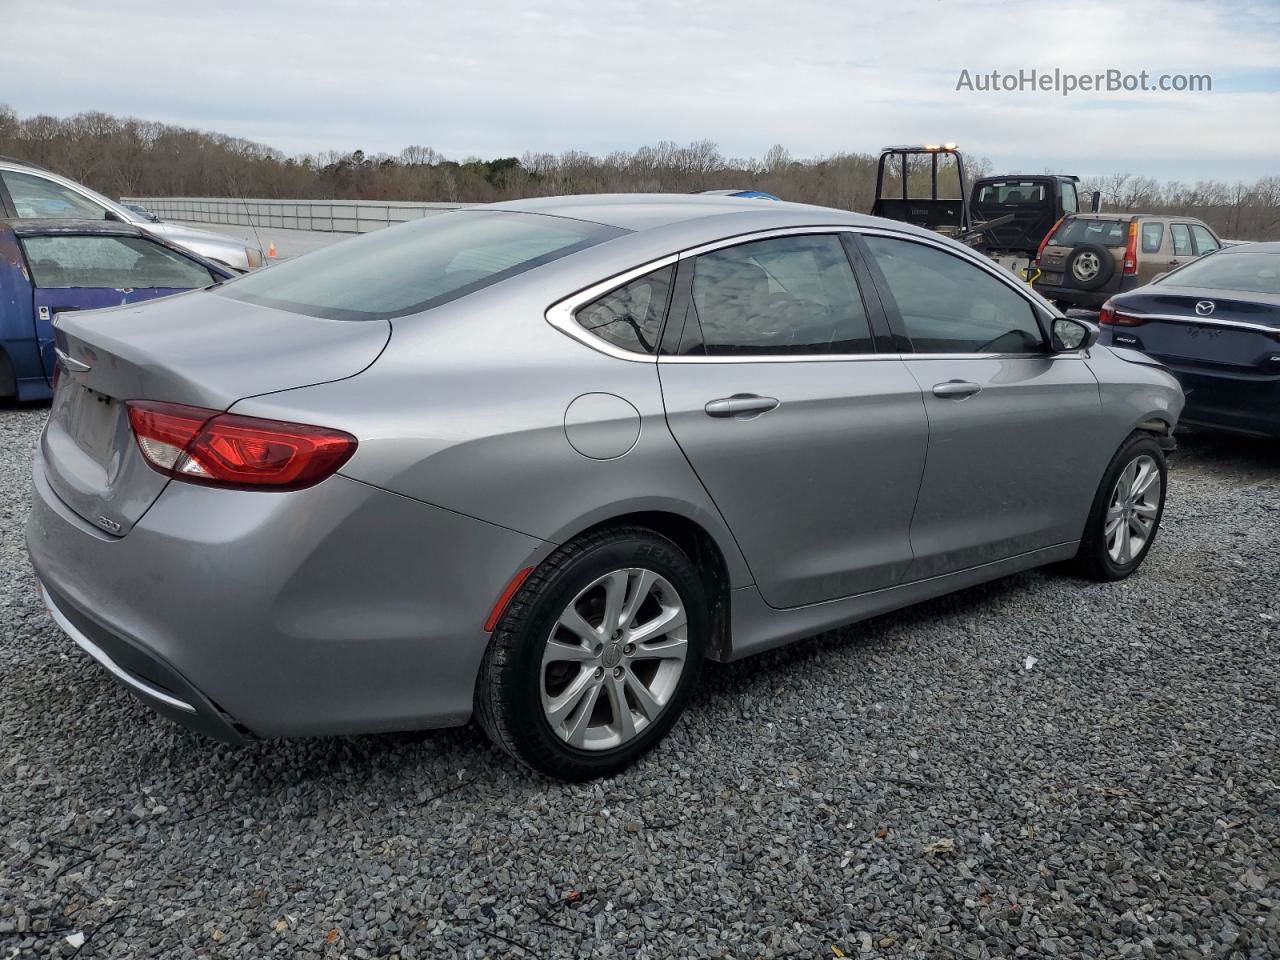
(1204, 308)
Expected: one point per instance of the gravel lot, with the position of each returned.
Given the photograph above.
(915, 786)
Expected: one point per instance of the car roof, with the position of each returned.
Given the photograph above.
(648, 211)
(47, 227)
(1260, 246)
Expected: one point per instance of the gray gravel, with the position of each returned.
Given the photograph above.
(915, 786)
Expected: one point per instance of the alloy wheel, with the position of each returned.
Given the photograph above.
(614, 659)
(1132, 509)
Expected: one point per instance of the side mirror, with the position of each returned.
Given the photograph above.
(1070, 335)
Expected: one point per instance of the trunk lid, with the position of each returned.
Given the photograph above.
(199, 349)
(1236, 334)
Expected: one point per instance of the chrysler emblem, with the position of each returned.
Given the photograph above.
(1204, 308)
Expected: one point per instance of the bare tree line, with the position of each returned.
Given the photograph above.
(125, 156)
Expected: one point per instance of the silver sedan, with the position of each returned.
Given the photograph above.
(534, 462)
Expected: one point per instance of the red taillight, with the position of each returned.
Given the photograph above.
(1045, 242)
(226, 450)
(1109, 316)
(1131, 251)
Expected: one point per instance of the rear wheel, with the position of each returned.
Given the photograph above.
(1126, 511)
(596, 656)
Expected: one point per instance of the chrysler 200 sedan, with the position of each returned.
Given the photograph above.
(533, 462)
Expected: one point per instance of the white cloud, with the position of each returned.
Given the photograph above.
(819, 76)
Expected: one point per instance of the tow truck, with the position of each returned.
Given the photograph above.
(1005, 217)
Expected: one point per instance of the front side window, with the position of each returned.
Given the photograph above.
(1205, 242)
(1070, 200)
(119, 263)
(1181, 240)
(951, 306)
(416, 266)
(38, 198)
(787, 295)
(1152, 236)
(630, 317)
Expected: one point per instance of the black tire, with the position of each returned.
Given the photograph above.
(508, 695)
(1093, 560)
(1106, 266)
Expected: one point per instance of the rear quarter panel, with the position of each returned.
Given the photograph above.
(466, 410)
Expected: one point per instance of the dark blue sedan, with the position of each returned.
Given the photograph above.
(49, 267)
(1216, 324)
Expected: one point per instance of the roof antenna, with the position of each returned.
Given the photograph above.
(245, 203)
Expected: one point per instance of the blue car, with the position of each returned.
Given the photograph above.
(49, 267)
(1215, 323)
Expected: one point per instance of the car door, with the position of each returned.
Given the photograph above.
(810, 442)
(87, 271)
(1183, 249)
(1014, 453)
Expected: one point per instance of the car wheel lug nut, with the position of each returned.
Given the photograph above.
(629, 649)
(617, 672)
(599, 672)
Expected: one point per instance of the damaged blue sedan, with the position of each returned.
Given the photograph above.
(49, 267)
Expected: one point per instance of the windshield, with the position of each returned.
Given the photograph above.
(1024, 192)
(415, 266)
(1078, 230)
(1246, 272)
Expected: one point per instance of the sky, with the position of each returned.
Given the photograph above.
(503, 77)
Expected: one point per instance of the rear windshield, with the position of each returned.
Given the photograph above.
(1027, 193)
(1078, 230)
(416, 266)
(1246, 272)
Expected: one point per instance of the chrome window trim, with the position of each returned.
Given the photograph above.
(1203, 321)
(561, 313)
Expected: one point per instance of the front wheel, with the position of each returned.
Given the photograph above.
(1126, 511)
(596, 656)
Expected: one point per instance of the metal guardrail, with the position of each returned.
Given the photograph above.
(336, 216)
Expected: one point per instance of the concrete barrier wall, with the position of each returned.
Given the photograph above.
(337, 216)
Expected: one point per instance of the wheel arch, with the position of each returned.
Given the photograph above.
(701, 546)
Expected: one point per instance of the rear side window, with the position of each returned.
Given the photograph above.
(1204, 239)
(1181, 240)
(630, 317)
(951, 306)
(1077, 230)
(416, 266)
(1152, 236)
(786, 295)
(110, 262)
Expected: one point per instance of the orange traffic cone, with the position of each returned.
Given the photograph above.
(271, 249)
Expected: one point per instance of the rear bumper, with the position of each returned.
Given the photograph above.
(1225, 401)
(144, 674)
(337, 609)
(1085, 298)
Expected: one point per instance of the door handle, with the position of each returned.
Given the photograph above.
(955, 389)
(744, 406)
